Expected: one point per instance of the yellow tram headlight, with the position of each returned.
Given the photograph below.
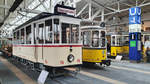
(70, 58)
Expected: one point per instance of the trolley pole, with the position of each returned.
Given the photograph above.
(135, 34)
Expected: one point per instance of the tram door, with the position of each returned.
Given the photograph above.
(39, 41)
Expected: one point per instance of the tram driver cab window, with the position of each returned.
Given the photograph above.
(70, 33)
(28, 34)
(95, 38)
(87, 38)
(48, 31)
(56, 31)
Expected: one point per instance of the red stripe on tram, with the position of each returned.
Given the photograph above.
(47, 45)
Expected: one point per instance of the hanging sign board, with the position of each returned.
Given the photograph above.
(60, 9)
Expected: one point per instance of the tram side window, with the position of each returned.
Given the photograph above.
(56, 31)
(103, 39)
(28, 34)
(95, 38)
(65, 31)
(126, 40)
(18, 37)
(87, 38)
(15, 37)
(41, 33)
(113, 40)
(22, 36)
(48, 31)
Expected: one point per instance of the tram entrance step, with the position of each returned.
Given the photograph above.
(70, 69)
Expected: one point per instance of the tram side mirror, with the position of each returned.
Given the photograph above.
(102, 24)
(56, 21)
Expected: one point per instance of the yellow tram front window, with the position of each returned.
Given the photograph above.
(102, 39)
(87, 38)
(95, 39)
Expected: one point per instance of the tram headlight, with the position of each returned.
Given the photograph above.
(70, 58)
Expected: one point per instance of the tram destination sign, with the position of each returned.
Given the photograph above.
(60, 9)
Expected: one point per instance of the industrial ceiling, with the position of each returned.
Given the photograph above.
(15, 12)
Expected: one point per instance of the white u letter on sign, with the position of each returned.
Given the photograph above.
(133, 12)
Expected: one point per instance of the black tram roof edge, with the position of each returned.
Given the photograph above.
(42, 16)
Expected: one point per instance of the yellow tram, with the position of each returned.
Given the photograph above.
(94, 45)
(119, 45)
(116, 47)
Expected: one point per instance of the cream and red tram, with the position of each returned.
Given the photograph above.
(49, 39)
(94, 48)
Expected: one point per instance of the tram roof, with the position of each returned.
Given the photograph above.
(41, 16)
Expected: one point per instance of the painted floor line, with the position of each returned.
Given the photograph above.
(130, 69)
(21, 75)
(106, 79)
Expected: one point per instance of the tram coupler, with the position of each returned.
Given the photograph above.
(106, 62)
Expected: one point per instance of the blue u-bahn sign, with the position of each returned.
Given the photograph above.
(135, 15)
(134, 36)
(135, 20)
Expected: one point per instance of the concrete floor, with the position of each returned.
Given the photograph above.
(118, 73)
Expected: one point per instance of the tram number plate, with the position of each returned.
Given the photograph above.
(43, 76)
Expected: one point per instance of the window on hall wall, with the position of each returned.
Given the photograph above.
(147, 29)
(28, 34)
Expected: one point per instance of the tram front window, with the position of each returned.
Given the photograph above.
(95, 38)
(70, 33)
(118, 41)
